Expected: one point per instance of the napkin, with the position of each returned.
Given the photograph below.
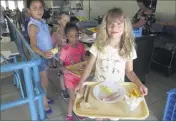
(133, 102)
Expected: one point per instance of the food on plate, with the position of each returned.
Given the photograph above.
(105, 89)
(110, 97)
(107, 94)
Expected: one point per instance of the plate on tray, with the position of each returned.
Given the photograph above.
(109, 92)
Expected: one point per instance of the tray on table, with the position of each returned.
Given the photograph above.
(75, 69)
(115, 110)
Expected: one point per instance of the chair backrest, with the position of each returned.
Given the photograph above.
(144, 49)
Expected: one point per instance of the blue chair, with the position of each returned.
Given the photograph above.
(29, 67)
(170, 108)
(17, 79)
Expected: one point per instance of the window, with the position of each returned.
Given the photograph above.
(20, 5)
(11, 5)
(3, 3)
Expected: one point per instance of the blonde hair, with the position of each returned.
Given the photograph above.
(127, 39)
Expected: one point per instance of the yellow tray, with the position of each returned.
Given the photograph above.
(75, 69)
(115, 110)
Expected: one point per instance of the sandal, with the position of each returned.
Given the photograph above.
(50, 101)
(48, 111)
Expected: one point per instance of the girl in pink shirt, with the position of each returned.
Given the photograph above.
(73, 52)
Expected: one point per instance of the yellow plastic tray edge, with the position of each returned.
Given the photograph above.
(125, 118)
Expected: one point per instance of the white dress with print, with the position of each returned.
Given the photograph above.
(109, 65)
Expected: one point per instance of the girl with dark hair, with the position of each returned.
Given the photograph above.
(73, 52)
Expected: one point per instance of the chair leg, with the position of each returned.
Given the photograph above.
(19, 86)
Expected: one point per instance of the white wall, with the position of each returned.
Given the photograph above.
(165, 11)
(101, 7)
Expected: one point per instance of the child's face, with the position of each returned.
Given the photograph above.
(115, 28)
(36, 9)
(72, 36)
(64, 20)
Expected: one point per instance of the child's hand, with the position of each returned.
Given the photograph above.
(48, 54)
(64, 70)
(143, 89)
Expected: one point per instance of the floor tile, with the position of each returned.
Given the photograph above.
(58, 117)
(151, 117)
(152, 98)
(158, 108)
(53, 75)
(61, 118)
(54, 79)
(7, 86)
(52, 91)
(173, 77)
(59, 107)
(16, 114)
(6, 74)
(10, 97)
(157, 89)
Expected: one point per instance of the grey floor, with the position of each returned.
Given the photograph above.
(158, 86)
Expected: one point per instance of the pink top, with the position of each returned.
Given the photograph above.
(70, 55)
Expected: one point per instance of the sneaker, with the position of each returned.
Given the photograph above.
(64, 94)
(69, 118)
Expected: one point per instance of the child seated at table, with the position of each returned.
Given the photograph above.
(73, 52)
(41, 43)
(113, 52)
(59, 39)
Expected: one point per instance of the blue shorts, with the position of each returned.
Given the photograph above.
(44, 65)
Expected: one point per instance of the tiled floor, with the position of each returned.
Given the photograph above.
(158, 86)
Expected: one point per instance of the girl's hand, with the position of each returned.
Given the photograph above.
(64, 70)
(48, 54)
(143, 89)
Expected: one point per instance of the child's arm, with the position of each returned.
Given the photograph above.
(86, 72)
(132, 77)
(32, 35)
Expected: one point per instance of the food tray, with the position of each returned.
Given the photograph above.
(115, 110)
(75, 69)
